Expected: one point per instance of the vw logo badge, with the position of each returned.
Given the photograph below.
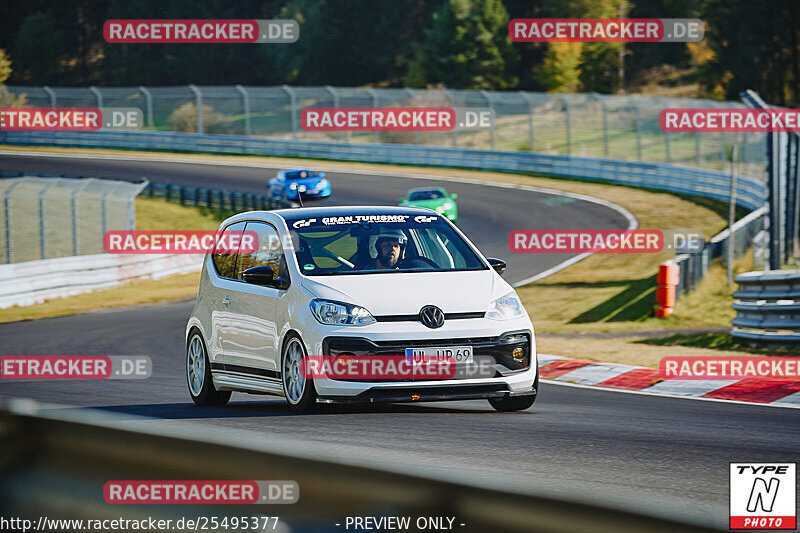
(431, 316)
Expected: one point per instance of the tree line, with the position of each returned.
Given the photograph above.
(460, 44)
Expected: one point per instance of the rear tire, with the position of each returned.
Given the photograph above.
(299, 391)
(505, 405)
(198, 374)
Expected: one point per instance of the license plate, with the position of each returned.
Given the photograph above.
(459, 354)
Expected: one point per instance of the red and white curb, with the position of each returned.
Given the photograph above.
(628, 378)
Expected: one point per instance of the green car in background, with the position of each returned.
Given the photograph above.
(435, 198)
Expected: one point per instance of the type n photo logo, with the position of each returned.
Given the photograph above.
(763, 496)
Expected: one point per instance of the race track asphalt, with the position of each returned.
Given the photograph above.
(671, 452)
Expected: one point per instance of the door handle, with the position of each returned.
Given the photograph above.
(226, 300)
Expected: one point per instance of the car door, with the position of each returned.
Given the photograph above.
(223, 285)
(254, 341)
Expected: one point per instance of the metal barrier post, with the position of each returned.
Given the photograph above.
(293, 108)
(6, 200)
(246, 107)
(697, 146)
(103, 213)
(773, 192)
(489, 101)
(374, 94)
(42, 234)
(148, 98)
(667, 146)
(52, 94)
(74, 206)
(198, 98)
(605, 123)
(638, 128)
(411, 101)
(97, 95)
(795, 177)
(732, 216)
(529, 102)
(335, 104)
(565, 102)
(454, 134)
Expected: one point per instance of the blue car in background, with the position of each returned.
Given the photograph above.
(308, 184)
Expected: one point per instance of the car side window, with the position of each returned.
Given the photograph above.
(225, 259)
(269, 252)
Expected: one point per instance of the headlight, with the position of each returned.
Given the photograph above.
(293, 186)
(448, 205)
(506, 307)
(440, 209)
(340, 314)
(302, 188)
(323, 183)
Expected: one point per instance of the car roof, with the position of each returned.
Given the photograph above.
(344, 210)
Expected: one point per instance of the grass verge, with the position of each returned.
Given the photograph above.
(720, 341)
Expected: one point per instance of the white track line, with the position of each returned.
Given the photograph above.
(633, 223)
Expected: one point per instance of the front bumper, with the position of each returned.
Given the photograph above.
(388, 339)
(500, 349)
(431, 394)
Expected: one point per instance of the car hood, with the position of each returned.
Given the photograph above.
(406, 293)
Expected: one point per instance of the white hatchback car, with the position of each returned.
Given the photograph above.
(332, 282)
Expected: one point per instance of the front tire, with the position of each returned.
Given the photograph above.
(505, 405)
(298, 391)
(198, 374)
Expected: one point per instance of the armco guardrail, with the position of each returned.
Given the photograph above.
(33, 282)
(56, 461)
(214, 198)
(184, 195)
(768, 306)
(662, 176)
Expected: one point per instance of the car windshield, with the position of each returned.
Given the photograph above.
(301, 174)
(379, 243)
(431, 194)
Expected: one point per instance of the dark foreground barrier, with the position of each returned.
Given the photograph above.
(55, 463)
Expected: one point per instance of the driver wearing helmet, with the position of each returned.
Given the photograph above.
(389, 246)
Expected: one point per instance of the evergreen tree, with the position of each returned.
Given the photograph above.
(467, 46)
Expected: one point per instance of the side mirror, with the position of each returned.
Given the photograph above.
(321, 174)
(498, 265)
(402, 200)
(454, 196)
(263, 275)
